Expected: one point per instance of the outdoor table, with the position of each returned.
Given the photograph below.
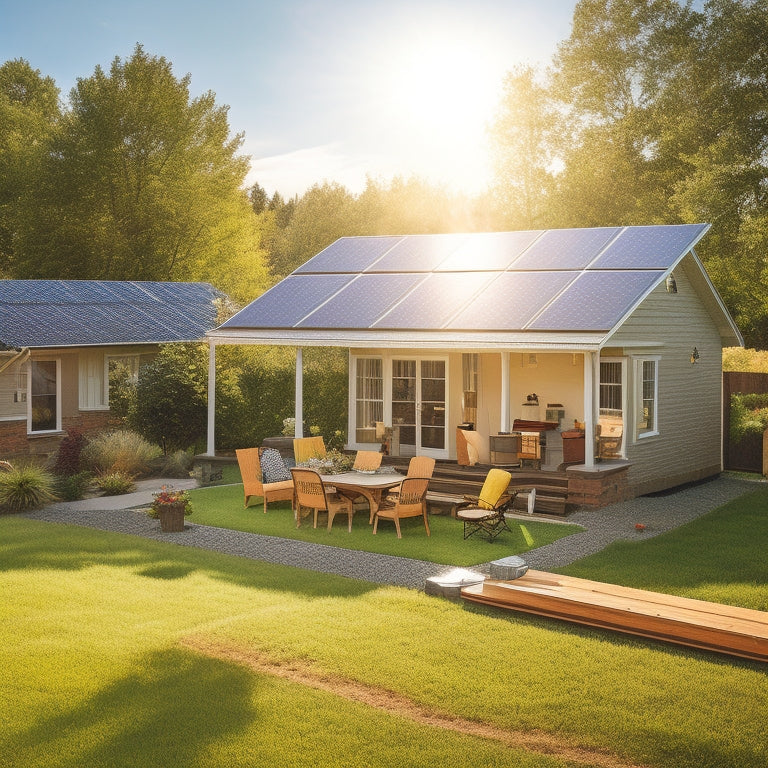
(370, 485)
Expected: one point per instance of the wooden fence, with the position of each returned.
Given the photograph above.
(747, 454)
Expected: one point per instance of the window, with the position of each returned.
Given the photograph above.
(647, 395)
(469, 369)
(44, 413)
(369, 394)
(610, 438)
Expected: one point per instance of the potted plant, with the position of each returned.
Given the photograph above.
(170, 506)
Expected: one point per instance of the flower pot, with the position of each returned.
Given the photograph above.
(172, 517)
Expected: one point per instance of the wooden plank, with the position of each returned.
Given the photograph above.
(696, 623)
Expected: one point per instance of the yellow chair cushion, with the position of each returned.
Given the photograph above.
(494, 486)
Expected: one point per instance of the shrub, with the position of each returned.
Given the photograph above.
(115, 483)
(122, 451)
(69, 454)
(171, 406)
(177, 464)
(73, 487)
(749, 415)
(26, 487)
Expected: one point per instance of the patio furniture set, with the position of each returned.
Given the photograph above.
(313, 488)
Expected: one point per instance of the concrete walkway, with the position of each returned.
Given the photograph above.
(601, 527)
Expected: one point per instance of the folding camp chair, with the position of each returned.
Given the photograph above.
(485, 513)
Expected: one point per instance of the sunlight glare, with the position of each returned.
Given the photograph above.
(440, 97)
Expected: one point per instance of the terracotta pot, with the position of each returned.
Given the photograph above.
(172, 517)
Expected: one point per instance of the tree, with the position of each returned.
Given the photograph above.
(142, 182)
(29, 111)
(522, 136)
(171, 404)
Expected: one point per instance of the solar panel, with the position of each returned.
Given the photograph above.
(511, 300)
(566, 248)
(493, 251)
(653, 247)
(434, 300)
(349, 254)
(362, 302)
(286, 303)
(595, 301)
(419, 253)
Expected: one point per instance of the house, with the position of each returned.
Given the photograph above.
(615, 330)
(58, 339)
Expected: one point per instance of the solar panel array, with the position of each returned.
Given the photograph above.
(52, 313)
(553, 280)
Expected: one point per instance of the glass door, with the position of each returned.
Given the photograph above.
(418, 406)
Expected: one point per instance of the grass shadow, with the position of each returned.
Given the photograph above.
(167, 712)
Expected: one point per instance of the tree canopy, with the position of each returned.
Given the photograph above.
(139, 180)
(652, 112)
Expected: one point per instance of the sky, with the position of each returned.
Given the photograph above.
(334, 91)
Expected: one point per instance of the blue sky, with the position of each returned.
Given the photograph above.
(332, 90)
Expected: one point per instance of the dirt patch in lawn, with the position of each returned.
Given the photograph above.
(396, 704)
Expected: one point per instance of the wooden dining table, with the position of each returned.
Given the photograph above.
(370, 485)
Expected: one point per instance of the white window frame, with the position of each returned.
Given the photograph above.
(30, 402)
(353, 398)
(653, 429)
(624, 412)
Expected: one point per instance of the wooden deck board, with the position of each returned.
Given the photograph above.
(696, 623)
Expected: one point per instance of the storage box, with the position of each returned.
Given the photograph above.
(573, 447)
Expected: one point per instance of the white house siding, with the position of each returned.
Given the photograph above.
(688, 446)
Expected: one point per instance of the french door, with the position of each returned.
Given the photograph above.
(418, 405)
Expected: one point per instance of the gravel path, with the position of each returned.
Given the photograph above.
(601, 527)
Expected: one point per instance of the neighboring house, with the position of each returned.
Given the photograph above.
(619, 329)
(58, 339)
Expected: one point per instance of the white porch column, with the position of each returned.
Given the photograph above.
(299, 412)
(505, 423)
(211, 443)
(589, 409)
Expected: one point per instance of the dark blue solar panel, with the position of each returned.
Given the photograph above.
(434, 300)
(655, 247)
(511, 300)
(566, 248)
(491, 251)
(349, 254)
(595, 301)
(288, 302)
(39, 313)
(362, 301)
(419, 253)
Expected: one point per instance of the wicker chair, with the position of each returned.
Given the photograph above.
(309, 448)
(311, 494)
(410, 502)
(249, 461)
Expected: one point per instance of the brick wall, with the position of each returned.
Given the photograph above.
(15, 442)
(599, 488)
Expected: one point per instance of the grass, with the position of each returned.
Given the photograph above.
(120, 651)
(222, 506)
(719, 557)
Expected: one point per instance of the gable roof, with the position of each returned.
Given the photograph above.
(541, 287)
(64, 313)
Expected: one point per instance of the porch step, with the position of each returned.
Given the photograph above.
(454, 481)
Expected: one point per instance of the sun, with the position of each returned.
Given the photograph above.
(440, 95)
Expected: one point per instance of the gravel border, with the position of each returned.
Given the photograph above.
(658, 513)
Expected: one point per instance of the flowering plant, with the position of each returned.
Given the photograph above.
(166, 496)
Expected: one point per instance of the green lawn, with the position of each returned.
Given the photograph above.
(719, 557)
(222, 506)
(120, 651)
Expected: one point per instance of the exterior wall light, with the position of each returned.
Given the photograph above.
(694, 356)
(671, 284)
